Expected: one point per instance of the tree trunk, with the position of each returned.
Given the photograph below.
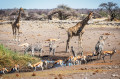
(112, 17)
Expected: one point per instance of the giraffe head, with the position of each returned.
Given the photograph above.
(90, 15)
(21, 9)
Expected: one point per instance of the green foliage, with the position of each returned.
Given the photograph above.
(64, 12)
(118, 14)
(103, 13)
(64, 7)
(9, 58)
(111, 8)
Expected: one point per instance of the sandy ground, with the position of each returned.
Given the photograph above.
(39, 31)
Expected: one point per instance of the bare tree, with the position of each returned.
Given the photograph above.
(111, 8)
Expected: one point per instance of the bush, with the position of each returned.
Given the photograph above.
(9, 58)
(63, 12)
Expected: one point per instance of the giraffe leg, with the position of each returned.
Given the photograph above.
(18, 34)
(80, 42)
(13, 29)
(15, 34)
(67, 45)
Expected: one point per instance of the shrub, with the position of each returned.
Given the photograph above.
(9, 58)
(63, 12)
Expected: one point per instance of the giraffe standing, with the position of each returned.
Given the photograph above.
(77, 30)
(16, 25)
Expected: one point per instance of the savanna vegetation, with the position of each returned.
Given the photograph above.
(9, 58)
(63, 12)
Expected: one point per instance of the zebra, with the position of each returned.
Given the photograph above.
(100, 46)
(33, 48)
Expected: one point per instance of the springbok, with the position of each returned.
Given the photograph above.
(108, 53)
(15, 68)
(3, 71)
(36, 65)
(60, 62)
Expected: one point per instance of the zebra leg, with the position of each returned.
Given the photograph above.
(110, 58)
(103, 58)
(42, 67)
(32, 51)
(50, 49)
(40, 52)
(54, 51)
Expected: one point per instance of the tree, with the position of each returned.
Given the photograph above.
(111, 9)
(63, 12)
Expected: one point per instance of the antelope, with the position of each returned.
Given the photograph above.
(81, 58)
(3, 71)
(60, 62)
(89, 56)
(108, 53)
(74, 60)
(68, 60)
(78, 59)
(15, 68)
(51, 39)
(45, 64)
(34, 66)
(24, 45)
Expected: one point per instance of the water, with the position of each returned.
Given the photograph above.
(58, 65)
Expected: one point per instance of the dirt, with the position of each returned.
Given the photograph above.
(39, 31)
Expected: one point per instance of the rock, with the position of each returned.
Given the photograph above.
(86, 68)
(85, 78)
(82, 69)
(97, 71)
(109, 45)
(109, 67)
(103, 67)
(116, 67)
(104, 73)
(114, 75)
(94, 73)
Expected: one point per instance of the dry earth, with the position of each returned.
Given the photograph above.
(39, 31)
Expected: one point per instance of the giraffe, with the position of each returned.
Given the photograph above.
(16, 25)
(77, 30)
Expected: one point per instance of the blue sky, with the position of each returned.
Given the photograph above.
(49, 4)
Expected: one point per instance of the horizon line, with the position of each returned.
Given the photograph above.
(47, 8)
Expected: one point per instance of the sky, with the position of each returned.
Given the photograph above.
(50, 4)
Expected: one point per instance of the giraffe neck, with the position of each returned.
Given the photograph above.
(83, 23)
(18, 18)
